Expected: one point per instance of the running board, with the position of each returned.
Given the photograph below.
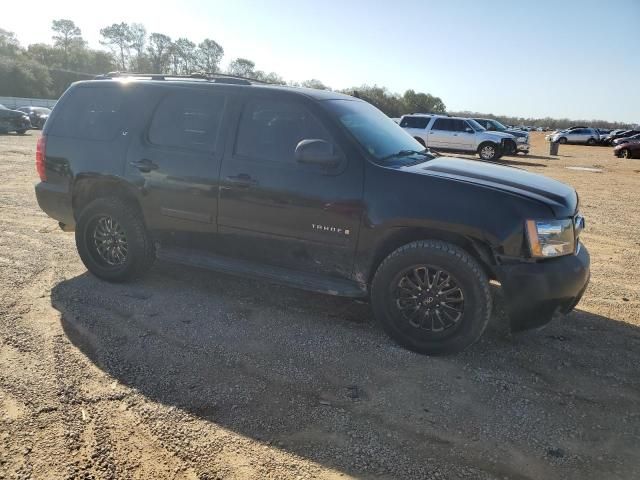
(244, 268)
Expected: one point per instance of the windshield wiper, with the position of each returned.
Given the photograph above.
(406, 153)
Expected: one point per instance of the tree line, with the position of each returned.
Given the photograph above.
(45, 70)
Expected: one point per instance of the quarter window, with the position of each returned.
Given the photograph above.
(270, 130)
(189, 120)
(415, 122)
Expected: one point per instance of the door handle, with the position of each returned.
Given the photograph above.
(242, 180)
(144, 165)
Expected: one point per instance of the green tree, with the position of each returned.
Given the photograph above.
(421, 102)
(118, 37)
(158, 51)
(314, 83)
(185, 51)
(241, 67)
(138, 33)
(209, 55)
(66, 36)
(9, 45)
(23, 77)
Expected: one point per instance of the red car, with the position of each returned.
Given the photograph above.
(627, 150)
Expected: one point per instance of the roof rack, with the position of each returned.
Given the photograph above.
(211, 77)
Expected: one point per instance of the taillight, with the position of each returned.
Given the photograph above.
(40, 156)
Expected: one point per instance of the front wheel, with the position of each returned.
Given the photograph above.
(431, 297)
(562, 140)
(112, 240)
(489, 151)
(625, 153)
(21, 132)
(591, 142)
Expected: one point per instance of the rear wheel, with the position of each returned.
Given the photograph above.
(113, 241)
(489, 151)
(431, 297)
(21, 132)
(591, 141)
(421, 141)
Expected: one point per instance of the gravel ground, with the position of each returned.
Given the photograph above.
(189, 374)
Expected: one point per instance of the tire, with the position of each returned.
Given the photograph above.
(489, 151)
(420, 141)
(118, 262)
(625, 153)
(423, 330)
(562, 140)
(591, 142)
(21, 132)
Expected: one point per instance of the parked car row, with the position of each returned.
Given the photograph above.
(467, 135)
(22, 119)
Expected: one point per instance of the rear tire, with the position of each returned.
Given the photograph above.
(420, 141)
(591, 142)
(21, 132)
(431, 297)
(112, 240)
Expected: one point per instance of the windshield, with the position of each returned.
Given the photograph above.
(377, 133)
(475, 125)
(497, 125)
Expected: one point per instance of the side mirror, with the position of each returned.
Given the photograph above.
(314, 151)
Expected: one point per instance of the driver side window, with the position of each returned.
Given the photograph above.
(270, 130)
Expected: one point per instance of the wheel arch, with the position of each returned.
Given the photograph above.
(87, 188)
(400, 236)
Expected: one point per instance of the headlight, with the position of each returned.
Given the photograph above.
(551, 238)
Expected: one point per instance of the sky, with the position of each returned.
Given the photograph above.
(564, 58)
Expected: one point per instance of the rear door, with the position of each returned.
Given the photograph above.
(177, 162)
(441, 133)
(415, 126)
(277, 211)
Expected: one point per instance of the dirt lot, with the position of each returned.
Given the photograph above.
(189, 374)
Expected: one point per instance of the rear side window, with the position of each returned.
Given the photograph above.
(188, 120)
(92, 114)
(443, 124)
(415, 122)
(270, 130)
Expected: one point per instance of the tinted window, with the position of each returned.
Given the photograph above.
(415, 122)
(443, 124)
(270, 130)
(188, 119)
(91, 113)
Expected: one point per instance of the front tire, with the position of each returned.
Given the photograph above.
(431, 297)
(562, 140)
(591, 142)
(21, 132)
(489, 151)
(112, 240)
(625, 153)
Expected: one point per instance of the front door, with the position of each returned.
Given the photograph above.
(277, 211)
(177, 164)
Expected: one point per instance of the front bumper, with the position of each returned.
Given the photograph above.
(533, 292)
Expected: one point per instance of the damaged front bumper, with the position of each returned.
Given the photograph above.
(533, 292)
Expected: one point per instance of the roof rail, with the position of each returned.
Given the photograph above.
(211, 77)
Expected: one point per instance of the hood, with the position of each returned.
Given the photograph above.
(498, 134)
(561, 198)
(516, 132)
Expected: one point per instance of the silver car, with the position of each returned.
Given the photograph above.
(589, 136)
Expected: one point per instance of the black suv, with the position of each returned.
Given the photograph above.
(312, 189)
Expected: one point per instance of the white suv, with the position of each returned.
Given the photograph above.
(457, 134)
